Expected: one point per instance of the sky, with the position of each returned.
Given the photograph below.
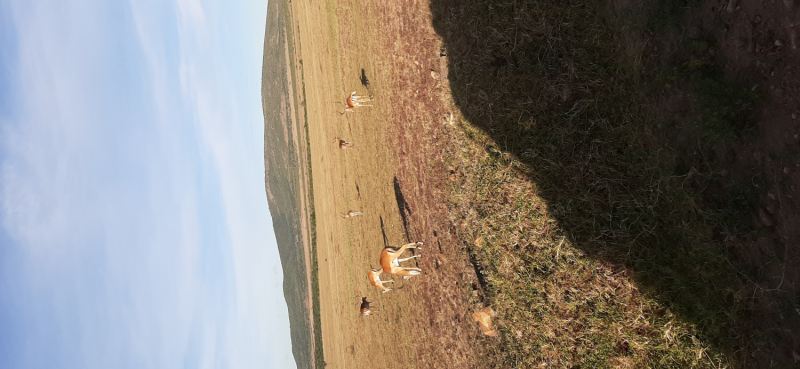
(134, 227)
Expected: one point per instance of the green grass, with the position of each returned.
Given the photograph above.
(595, 186)
(319, 354)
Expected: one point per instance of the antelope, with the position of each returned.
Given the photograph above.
(375, 280)
(365, 309)
(390, 261)
(352, 213)
(343, 144)
(353, 101)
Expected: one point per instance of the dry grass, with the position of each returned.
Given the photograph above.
(577, 185)
(558, 306)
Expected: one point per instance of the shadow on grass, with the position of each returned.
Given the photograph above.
(364, 80)
(544, 80)
(402, 207)
(383, 232)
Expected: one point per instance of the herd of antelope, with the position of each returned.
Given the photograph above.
(390, 256)
(390, 264)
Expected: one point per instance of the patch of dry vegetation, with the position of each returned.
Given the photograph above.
(558, 307)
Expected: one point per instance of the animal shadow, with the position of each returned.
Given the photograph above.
(364, 79)
(402, 207)
(383, 232)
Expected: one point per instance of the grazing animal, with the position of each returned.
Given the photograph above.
(390, 261)
(343, 144)
(375, 280)
(352, 213)
(353, 101)
(365, 307)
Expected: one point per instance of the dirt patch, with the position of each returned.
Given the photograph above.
(756, 43)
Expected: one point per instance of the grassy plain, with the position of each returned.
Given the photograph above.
(567, 162)
(334, 50)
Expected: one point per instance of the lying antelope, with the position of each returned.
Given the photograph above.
(351, 214)
(390, 261)
(353, 101)
(375, 280)
(365, 309)
(343, 144)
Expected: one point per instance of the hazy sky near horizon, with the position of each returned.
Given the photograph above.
(134, 227)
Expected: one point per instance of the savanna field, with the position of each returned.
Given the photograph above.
(615, 180)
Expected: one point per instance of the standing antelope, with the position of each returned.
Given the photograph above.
(365, 309)
(343, 144)
(391, 263)
(375, 280)
(353, 101)
(351, 214)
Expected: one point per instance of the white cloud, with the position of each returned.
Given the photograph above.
(52, 126)
(191, 11)
(227, 132)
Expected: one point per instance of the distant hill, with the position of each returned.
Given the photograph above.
(284, 184)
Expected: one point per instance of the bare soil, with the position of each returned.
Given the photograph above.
(757, 43)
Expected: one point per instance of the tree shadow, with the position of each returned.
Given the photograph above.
(540, 79)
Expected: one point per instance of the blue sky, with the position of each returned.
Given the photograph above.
(134, 227)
